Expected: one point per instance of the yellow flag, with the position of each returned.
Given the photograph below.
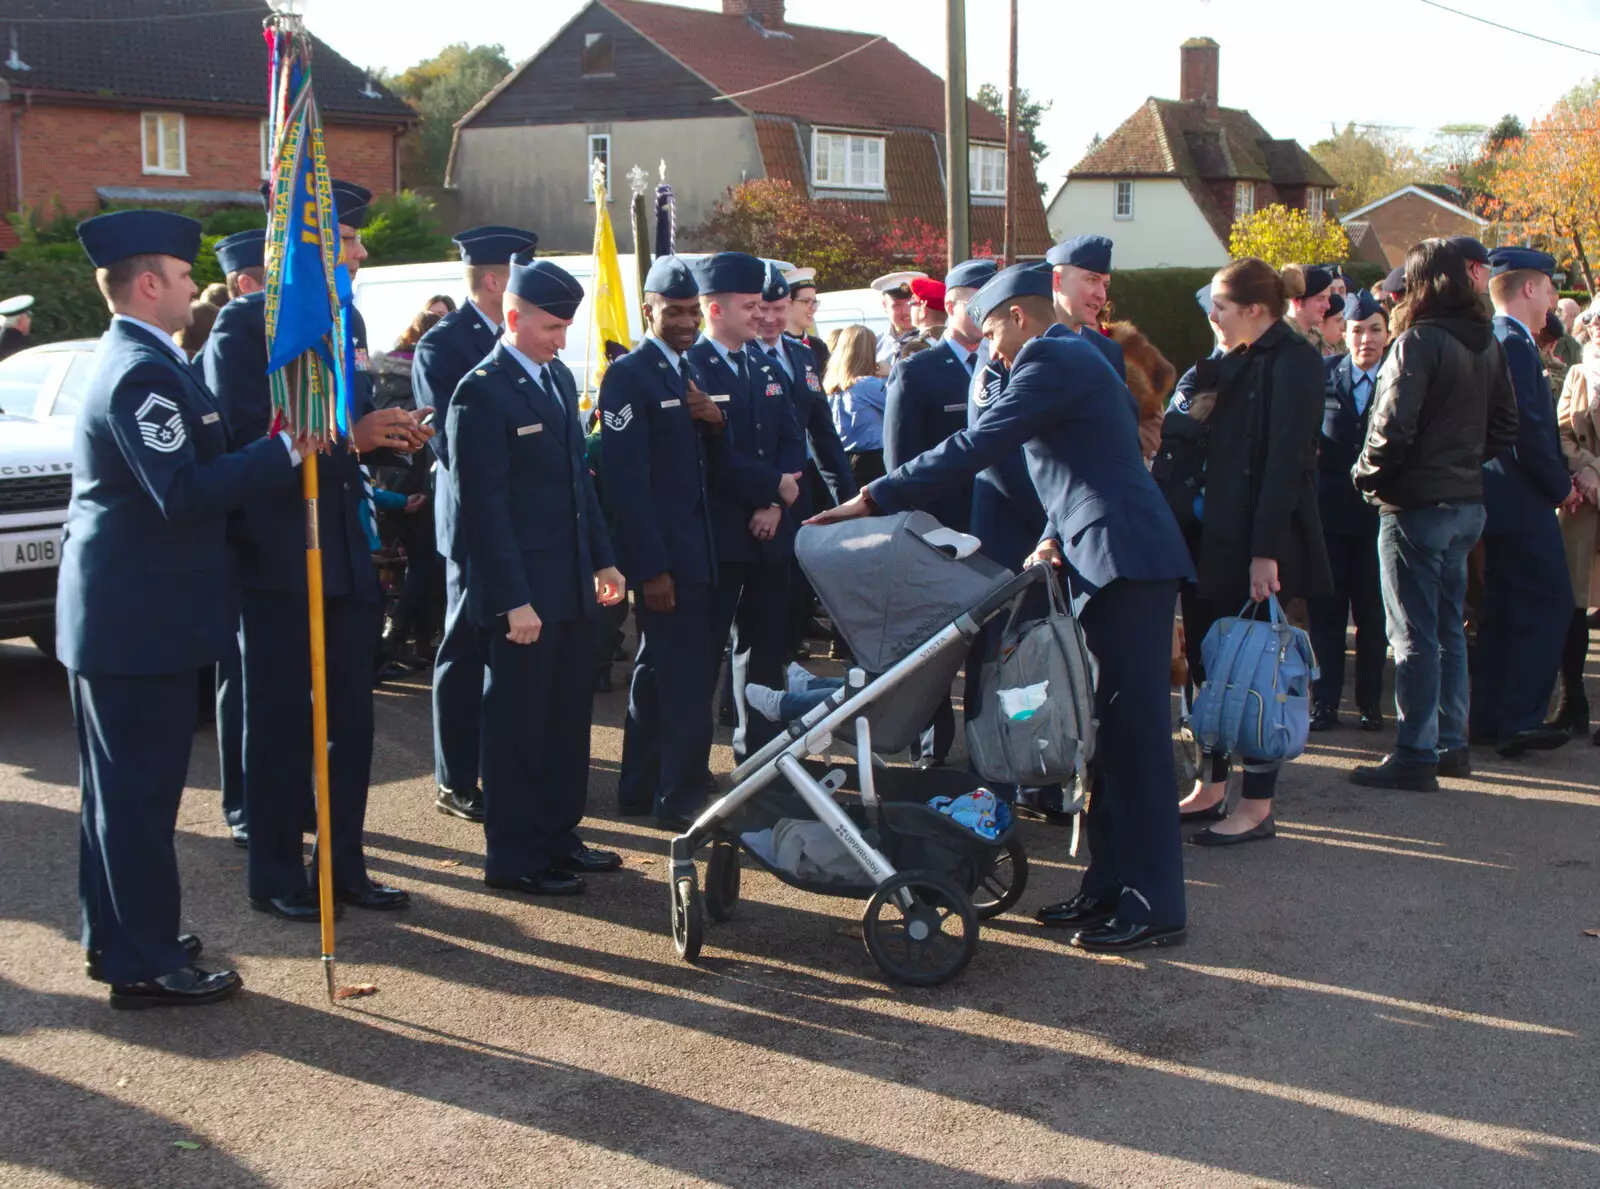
(609, 300)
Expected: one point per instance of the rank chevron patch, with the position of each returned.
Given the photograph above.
(161, 424)
(620, 420)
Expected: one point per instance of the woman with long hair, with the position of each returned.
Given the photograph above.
(1259, 533)
(856, 394)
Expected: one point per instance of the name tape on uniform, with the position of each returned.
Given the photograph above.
(524, 430)
(670, 404)
(211, 419)
(955, 408)
(720, 398)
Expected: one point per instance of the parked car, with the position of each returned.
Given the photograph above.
(35, 487)
(851, 307)
(47, 383)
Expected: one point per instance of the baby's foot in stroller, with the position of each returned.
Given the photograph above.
(765, 701)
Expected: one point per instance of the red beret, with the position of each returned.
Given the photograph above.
(929, 290)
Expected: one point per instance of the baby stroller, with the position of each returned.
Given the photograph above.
(908, 607)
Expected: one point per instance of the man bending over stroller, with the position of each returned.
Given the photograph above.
(1108, 525)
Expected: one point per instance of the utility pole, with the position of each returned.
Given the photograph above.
(1009, 240)
(955, 132)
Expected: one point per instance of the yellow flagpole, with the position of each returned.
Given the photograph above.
(319, 714)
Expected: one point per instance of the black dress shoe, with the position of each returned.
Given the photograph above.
(188, 986)
(588, 860)
(1324, 718)
(1457, 763)
(1257, 833)
(302, 908)
(1117, 936)
(1371, 722)
(466, 806)
(91, 958)
(674, 823)
(1080, 911)
(1395, 773)
(375, 897)
(1213, 813)
(240, 835)
(1533, 739)
(550, 882)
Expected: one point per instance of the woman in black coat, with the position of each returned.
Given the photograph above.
(1259, 531)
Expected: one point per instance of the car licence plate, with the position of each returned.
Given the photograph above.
(35, 551)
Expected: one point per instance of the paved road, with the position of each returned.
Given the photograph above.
(1397, 991)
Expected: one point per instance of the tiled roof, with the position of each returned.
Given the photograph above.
(879, 87)
(198, 51)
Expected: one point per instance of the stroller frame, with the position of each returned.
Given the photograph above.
(923, 899)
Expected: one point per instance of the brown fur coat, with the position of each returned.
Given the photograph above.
(1150, 378)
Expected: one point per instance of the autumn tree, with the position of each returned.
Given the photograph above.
(442, 89)
(770, 218)
(1368, 163)
(1284, 235)
(1029, 112)
(1547, 183)
(923, 246)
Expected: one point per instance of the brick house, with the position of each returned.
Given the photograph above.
(635, 83)
(1168, 184)
(163, 102)
(1414, 213)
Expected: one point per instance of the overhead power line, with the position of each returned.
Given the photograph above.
(1509, 28)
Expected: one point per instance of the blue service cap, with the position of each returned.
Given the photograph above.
(731, 272)
(120, 234)
(544, 284)
(776, 288)
(492, 244)
(1317, 279)
(1503, 260)
(246, 249)
(971, 274)
(1472, 249)
(1020, 280)
(1395, 282)
(1202, 297)
(671, 278)
(350, 203)
(1360, 305)
(1092, 252)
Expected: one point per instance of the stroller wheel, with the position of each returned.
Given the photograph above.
(1002, 882)
(722, 881)
(920, 928)
(688, 921)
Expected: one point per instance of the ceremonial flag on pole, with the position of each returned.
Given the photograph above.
(666, 217)
(609, 299)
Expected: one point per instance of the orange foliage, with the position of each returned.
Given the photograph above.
(1549, 182)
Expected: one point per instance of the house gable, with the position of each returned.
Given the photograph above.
(1426, 194)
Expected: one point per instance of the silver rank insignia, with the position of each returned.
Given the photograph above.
(161, 424)
(620, 420)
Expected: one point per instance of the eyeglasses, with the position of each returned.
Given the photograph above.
(812, 302)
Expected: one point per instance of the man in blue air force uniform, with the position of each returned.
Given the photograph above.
(460, 341)
(1080, 275)
(277, 666)
(146, 600)
(1108, 527)
(754, 539)
(661, 435)
(535, 561)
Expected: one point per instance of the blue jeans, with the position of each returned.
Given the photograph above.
(1422, 560)
(793, 706)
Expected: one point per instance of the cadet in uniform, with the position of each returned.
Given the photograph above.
(754, 539)
(1080, 275)
(1108, 527)
(146, 600)
(276, 651)
(802, 326)
(895, 288)
(535, 561)
(460, 341)
(660, 436)
(1526, 591)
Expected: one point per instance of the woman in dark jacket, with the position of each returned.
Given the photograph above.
(1259, 532)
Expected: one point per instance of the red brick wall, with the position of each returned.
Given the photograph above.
(68, 151)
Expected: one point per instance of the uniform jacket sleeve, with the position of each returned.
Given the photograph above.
(903, 431)
(625, 473)
(436, 369)
(150, 397)
(234, 367)
(791, 441)
(478, 427)
(736, 475)
(1294, 415)
(1537, 449)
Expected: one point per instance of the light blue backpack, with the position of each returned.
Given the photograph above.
(1256, 700)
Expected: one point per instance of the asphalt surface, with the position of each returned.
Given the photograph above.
(1396, 991)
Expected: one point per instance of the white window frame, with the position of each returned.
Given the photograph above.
(1316, 203)
(1244, 199)
(993, 158)
(1119, 191)
(847, 143)
(588, 166)
(162, 166)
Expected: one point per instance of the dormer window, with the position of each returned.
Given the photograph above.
(597, 54)
(843, 160)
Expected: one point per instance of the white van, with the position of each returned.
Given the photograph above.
(851, 307)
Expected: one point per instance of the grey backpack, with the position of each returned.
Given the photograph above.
(1035, 722)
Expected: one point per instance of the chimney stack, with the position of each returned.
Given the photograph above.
(1197, 81)
(766, 13)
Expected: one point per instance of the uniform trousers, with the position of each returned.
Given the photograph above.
(1135, 849)
(1357, 594)
(537, 701)
(134, 736)
(752, 598)
(458, 685)
(230, 732)
(1527, 600)
(666, 742)
(277, 735)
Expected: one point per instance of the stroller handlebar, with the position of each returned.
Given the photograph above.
(1002, 596)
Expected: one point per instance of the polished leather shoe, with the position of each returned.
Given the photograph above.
(91, 958)
(1456, 763)
(303, 908)
(240, 835)
(466, 806)
(589, 860)
(188, 986)
(1395, 773)
(1324, 718)
(1267, 828)
(1080, 911)
(1371, 722)
(1533, 739)
(1214, 813)
(375, 897)
(1117, 936)
(550, 882)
